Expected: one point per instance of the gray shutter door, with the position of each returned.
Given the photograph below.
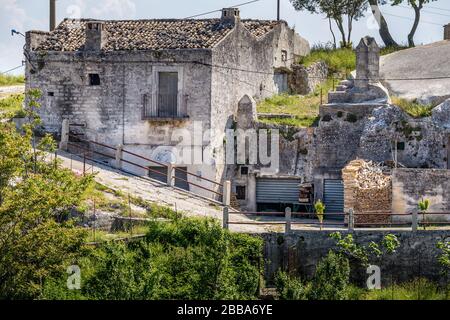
(333, 196)
(277, 190)
(162, 176)
(168, 94)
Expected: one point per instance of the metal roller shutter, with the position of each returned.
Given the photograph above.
(277, 190)
(333, 196)
(163, 176)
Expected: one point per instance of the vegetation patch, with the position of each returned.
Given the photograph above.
(413, 107)
(8, 80)
(12, 104)
(341, 61)
(304, 108)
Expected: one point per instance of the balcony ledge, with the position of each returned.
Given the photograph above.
(166, 119)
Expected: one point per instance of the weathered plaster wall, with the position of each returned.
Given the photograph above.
(299, 253)
(245, 66)
(412, 185)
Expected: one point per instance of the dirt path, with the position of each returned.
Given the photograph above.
(9, 90)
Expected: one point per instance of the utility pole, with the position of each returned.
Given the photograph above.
(278, 10)
(52, 15)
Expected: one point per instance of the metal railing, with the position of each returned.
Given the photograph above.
(166, 106)
(220, 192)
(349, 221)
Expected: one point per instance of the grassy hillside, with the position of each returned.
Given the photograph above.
(304, 108)
(7, 80)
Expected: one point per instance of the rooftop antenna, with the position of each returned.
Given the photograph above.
(52, 15)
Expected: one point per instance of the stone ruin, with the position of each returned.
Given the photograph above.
(366, 85)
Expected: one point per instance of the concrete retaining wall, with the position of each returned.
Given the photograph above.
(299, 253)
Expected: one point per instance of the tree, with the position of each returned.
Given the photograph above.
(37, 238)
(384, 28)
(417, 5)
(335, 10)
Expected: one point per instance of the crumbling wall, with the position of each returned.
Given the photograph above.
(367, 190)
(304, 80)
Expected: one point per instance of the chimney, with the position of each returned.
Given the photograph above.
(95, 36)
(52, 15)
(447, 32)
(230, 15)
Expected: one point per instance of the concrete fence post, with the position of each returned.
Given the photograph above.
(415, 221)
(227, 193)
(351, 220)
(170, 175)
(63, 145)
(119, 155)
(288, 216)
(226, 218)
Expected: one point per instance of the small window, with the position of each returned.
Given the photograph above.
(51, 94)
(244, 171)
(94, 79)
(400, 146)
(284, 55)
(240, 193)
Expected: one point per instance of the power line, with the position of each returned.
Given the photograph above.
(407, 18)
(426, 11)
(436, 8)
(7, 71)
(219, 10)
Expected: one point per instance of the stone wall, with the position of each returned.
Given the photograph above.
(299, 253)
(304, 80)
(412, 185)
(112, 112)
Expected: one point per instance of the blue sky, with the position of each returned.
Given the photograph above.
(26, 15)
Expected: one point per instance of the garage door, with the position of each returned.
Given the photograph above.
(333, 196)
(162, 176)
(277, 190)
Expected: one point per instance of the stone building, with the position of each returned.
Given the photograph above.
(143, 84)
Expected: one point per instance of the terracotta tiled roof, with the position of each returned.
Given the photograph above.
(150, 34)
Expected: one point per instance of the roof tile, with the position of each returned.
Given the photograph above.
(150, 34)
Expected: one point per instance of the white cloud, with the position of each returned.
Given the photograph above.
(13, 14)
(115, 9)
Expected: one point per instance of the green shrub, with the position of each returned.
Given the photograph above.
(413, 107)
(8, 80)
(189, 259)
(12, 103)
(341, 61)
(331, 278)
(289, 287)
